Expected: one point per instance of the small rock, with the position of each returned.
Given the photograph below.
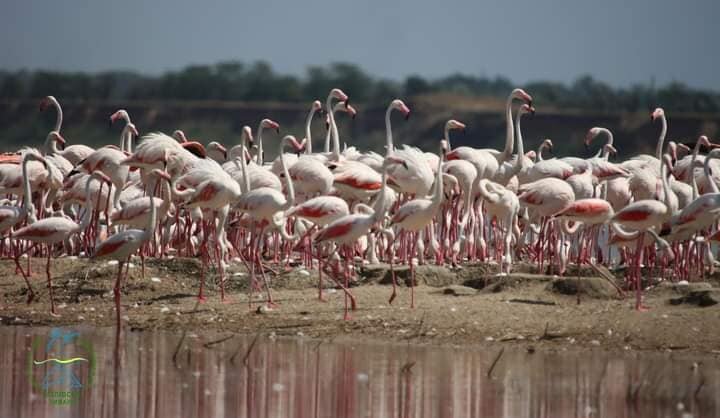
(489, 339)
(701, 298)
(164, 309)
(155, 279)
(362, 377)
(278, 387)
(112, 263)
(457, 290)
(304, 272)
(594, 342)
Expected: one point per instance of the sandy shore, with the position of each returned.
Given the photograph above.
(469, 306)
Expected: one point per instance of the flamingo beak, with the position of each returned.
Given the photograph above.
(60, 139)
(407, 115)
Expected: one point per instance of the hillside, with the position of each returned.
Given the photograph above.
(87, 122)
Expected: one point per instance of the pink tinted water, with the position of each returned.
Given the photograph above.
(163, 375)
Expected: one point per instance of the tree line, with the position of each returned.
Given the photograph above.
(235, 80)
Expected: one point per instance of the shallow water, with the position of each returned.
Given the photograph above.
(162, 374)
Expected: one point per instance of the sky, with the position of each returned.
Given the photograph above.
(621, 42)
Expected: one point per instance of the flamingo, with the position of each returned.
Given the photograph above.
(11, 215)
(73, 153)
(53, 230)
(265, 206)
(309, 175)
(548, 168)
(112, 162)
(642, 216)
(122, 245)
(347, 230)
(415, 177)
(417, 214)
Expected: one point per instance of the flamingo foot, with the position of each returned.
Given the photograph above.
(201, 299)
(642, 308)
(392, 297)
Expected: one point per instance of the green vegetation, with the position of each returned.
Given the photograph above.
(234, 80)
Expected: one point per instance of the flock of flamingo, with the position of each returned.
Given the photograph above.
(333, 210)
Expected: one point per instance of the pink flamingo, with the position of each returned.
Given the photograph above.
(56, 229)
(122, 245)
(414, 216)
(265, 206)
(73, 153)
(347, 230)
(642, 216)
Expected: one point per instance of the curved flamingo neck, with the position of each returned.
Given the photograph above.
(308, 133)
(605, 149)
(538, 156)
(693, 182)
(28, 207)
(245, 184)
(51, 145)
(58, 108)
(259, 157)
(509, 135)
(390, 148)
(661, 139)
(521, 147)
(333, 129)
(288, 181)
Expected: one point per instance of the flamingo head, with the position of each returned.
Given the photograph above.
(317, 106)
(703, 140)
(684, 148)
(55, 136)
(214, 145)
(349, 109)
(531, 154)
(298, 147)
(455, 124)
(195, 148)
(520, 94)
(548, 144)
(339, 95)
(398, 104)
(270, 124)
(592, 133)
(161, 174)
(179, 135)
(657, 113)
(46, 102)
(526, 108)
(120, 114)
(133, 130)
(247, 135)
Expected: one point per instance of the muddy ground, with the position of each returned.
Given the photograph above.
(468, 306)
